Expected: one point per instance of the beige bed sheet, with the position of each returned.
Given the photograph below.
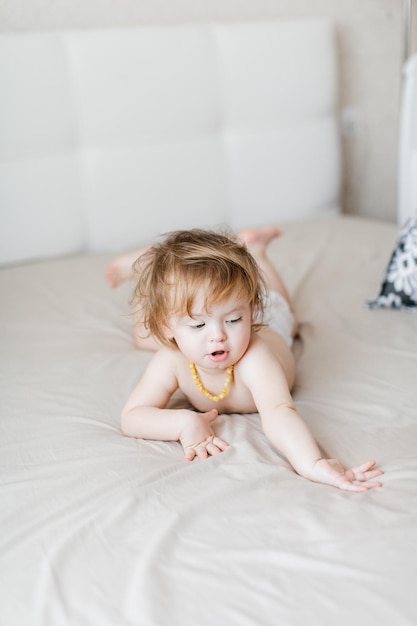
(100, 529)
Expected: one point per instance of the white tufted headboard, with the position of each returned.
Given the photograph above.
(110, 137)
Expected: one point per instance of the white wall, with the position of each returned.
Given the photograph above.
(370, 42)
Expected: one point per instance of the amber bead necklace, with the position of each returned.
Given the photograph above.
(204, 391)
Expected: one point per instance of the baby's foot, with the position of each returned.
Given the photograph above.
(120, 269)
(257, 239)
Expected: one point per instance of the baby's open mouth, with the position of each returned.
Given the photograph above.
(218, 355)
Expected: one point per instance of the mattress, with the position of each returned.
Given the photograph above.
(98, 528)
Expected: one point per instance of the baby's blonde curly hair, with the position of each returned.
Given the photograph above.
(171, 273)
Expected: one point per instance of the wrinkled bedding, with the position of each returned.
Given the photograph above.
(100, 529)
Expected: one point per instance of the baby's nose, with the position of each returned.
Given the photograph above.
(218, 334)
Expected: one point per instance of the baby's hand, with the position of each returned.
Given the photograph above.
(198, 438)
(332, 472)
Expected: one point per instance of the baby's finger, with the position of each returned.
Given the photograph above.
(355, 487)
(364, 471)
(364, 467)
(370, 475)
(189, 454)
(211, 415)
(216, 446)
(201, 451)
(220, 443)
(349, 486)
(212, 449)
(373, 485)
(358, 485)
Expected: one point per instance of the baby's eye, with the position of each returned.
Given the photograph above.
(198, 326)
(234, 320)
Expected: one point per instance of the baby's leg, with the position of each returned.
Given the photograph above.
(121, 268)
(256, 241)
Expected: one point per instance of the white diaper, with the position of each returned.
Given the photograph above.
(278, 316)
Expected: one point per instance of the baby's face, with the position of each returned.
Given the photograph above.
(214, 338)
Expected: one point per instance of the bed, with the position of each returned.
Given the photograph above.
(109, 139)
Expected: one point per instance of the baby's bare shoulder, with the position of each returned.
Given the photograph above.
(268, 350)
(167, 357)
(267, 341)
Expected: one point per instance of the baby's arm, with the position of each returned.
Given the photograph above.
(145, 415)
(288, 432)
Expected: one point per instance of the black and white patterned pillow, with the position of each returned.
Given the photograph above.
(399, 287)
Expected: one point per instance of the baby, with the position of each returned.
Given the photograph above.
(218, 315)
